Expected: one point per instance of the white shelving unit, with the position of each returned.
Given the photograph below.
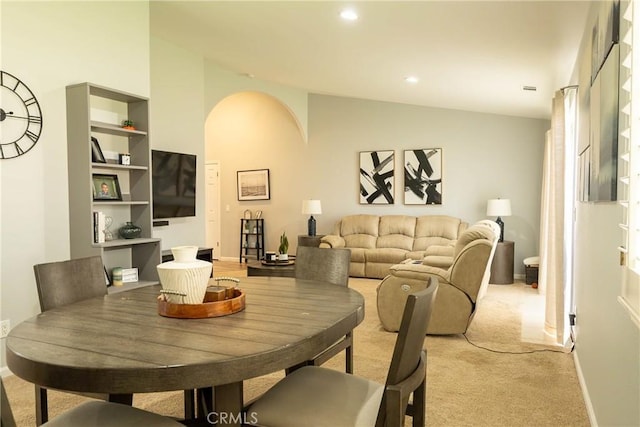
(83, 100)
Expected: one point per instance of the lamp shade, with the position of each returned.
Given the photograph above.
(499, 207)
(311, 207)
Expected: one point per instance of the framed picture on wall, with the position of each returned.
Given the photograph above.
(254, 185)
(376, 177)
(423, 176)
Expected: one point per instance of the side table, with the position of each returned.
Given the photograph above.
(257, 268)
(304, 240)
(502, 265)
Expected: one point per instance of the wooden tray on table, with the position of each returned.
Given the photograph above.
(217, 302)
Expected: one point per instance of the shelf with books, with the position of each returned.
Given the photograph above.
(88, 133)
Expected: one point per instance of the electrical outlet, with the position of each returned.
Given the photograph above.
(5, 326)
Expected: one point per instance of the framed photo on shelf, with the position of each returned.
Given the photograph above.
(106, 187)
(96, 152)
(253, 185)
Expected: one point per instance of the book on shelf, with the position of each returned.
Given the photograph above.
(99, 225)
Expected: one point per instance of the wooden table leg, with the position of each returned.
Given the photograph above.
(228, 400)
(42, 407)
(204, 405)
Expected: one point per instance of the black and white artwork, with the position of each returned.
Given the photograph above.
(376, 177)
(423, 176)
(603, 112)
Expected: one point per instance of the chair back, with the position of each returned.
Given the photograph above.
(65, 282)
(6, 415)
(409, 348)
(493, 226)
(469, 268)
(329, 265)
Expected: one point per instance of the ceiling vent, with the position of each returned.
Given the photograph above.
(530, 88)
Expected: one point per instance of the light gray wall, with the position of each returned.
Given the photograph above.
(607, 349)
(66, 43)
(484, 156)
(177, 123)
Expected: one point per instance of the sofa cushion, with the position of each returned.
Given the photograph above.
(413, 255)
(385, 255)
(439, 230)
(359, 231)
(396, 231)
(357, 255)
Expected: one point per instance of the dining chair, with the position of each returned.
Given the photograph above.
(329, 266)
(64, 282)
(93, 414)
(318, 396)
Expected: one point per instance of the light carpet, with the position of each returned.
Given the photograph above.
(466, 385)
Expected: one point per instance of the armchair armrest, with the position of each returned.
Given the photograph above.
(332, 241)
(419, 272)
(439, 256)
(438, 250)
(438, 261)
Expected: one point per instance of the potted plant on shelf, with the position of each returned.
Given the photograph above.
(283, 248)
(128, 124)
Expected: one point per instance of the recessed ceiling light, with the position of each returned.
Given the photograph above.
(411, 79)
(349, 15)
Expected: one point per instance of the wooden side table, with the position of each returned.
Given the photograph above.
(304, 240)
(257, 268)
(502, 265)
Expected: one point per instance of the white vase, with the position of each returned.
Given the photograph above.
(185, 275)
(184, 253)
(283, 257)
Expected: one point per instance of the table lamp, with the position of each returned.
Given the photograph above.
(311, 207)
(499, 207)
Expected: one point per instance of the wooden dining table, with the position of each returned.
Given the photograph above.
(119, 344)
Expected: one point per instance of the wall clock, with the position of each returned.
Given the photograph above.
(20, 117)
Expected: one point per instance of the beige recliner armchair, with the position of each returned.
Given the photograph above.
(460, 284)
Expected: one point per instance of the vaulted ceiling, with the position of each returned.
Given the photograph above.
(468, 55)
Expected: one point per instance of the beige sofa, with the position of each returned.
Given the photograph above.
(379, 242)
(460, 286)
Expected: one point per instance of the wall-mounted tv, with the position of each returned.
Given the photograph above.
(174, 184)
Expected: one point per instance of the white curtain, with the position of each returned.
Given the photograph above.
(556, 224)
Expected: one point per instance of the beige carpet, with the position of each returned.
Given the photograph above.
(467, 386)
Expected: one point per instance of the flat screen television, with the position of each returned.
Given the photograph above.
(174, 184)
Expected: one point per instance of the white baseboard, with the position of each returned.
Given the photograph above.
(585, 391)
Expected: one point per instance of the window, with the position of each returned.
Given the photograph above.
(629, 161)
